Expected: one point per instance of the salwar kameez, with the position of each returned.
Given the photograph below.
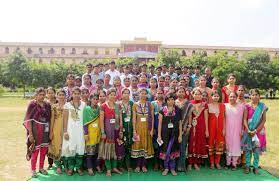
(92, 131)
(157, 107)
(39, 118)
(73, 148)
(127, 125)
(143, 149)
(197, 149)
(216, 138)
(108, 150)
(170, 129)
(55, 146)
(234, 119)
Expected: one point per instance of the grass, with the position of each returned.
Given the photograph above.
(13, 165)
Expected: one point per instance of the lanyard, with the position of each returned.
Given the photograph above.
(143, 109)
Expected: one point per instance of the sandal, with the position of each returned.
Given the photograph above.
(218, 166)
(256, 171)
(144, 169)
(173, 172)
(108, 174)
(80, 172)
(115, 170)
(59, 170)
(196, 167)
(99, 170)
(34, 174)
(233, 168)
(247, 170)
(90, 172)
(70, 172)
(211, 166)
(137, 170)
(165, 172)
(43, 171)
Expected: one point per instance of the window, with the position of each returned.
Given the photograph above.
(29, 51)
(84, 52)
(118, 51)
(62, 51)
(107, 51)
(183, 53)
(41, 51)
(73, 51)
(7, 50)
(51, 51)
(96, 52)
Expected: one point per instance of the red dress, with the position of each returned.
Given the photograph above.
(197, 141)
(216, 139)
(226, 92)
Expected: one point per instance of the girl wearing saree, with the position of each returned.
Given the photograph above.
(110, 126)
(198, 131)
(36, 122)
(186, 113)
(216, 124)
(231, 87)
(127, 126)
(254, 138)
(235, 114)
(56, 131)
(92, 132)
(170, 125)
(73, 145)
(143, 122)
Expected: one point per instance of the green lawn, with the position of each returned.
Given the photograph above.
(13, 165)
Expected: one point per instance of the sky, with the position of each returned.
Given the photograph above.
(253, 23)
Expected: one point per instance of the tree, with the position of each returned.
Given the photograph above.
(169, 57)
(19, 70)
(257, 64)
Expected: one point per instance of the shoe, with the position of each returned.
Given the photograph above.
(173, 172)
(165, 172)
(247, 170)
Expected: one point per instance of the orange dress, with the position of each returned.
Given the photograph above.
(216, 138)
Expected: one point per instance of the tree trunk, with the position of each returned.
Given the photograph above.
(24, 91)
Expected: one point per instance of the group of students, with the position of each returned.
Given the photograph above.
(121, 124)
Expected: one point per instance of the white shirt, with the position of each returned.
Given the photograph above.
(112, 75)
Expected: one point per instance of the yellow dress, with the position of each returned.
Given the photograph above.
(143, 147)
(55, 146)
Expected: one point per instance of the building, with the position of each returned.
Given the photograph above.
(139, 48)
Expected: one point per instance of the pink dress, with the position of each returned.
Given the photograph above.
(234, 117)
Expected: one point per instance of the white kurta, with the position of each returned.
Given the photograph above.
(76, 144)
